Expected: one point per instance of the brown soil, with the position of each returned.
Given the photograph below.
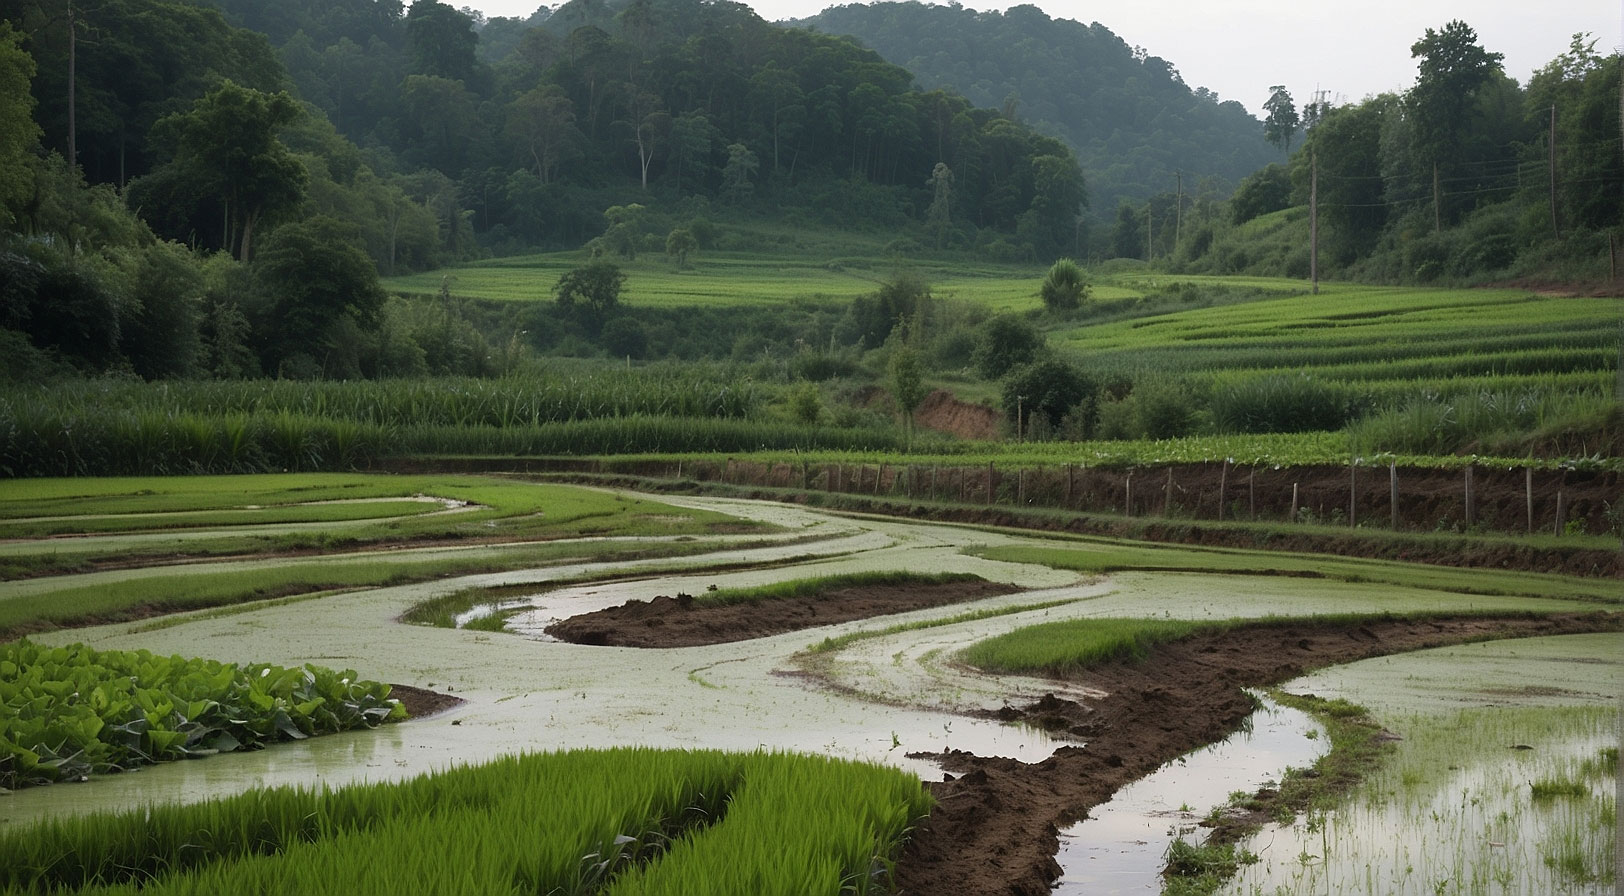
(943, 412)
(422, 703)
(996, 824)
(682, 621)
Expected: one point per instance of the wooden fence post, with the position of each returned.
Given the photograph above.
(1293, 516)
(1353, 494)
(1020, 487)
(1223, 480)
(1470, 504)
(1528, 488)
(1392, 485)
(1561, 512)
(1251, 492)
(1127, 500)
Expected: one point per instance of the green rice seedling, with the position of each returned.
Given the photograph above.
(1547, 789)
(848, 822)
(821, 585)
(565, 823)
(840, 642)
(1104, 556)
(1065, 647)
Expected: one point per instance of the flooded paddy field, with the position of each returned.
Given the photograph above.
(892, 689)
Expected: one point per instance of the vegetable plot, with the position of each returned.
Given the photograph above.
(69, 712)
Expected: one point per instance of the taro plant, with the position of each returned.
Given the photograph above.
(70, 712)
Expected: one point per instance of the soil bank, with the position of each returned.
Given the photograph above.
(682, 621)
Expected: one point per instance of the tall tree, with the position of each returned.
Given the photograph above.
(441, 42)
(542, 121)
(314, 276)
(1453, 69)
(227, 147)
(18, 133)
(1282, 122)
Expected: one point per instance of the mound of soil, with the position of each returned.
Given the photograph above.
(682, 621)
(422, 703)
(995, 827)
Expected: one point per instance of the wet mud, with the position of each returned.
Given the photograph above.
(996, 825)
(682, 621)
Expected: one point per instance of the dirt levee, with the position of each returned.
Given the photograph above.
(995, 827)
(682, 621)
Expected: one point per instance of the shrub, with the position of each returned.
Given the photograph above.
(1006, 342)
(1278, 402)
(1065, 287)
(1050, 388)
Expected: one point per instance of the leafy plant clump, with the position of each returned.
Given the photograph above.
(70, 712)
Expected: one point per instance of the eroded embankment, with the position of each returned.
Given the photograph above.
(996, 824)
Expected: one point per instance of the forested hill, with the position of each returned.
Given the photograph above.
(1131, 119)
(668, 104)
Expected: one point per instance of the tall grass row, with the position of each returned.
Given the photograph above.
(701, 391)
(38, 439)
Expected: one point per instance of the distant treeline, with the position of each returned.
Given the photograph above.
(1465, 177)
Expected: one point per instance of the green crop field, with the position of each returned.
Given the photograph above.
(736, 279)
(1358, 332)
(636, 821)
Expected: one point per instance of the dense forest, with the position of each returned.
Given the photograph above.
(215, 187)
(1135, 125)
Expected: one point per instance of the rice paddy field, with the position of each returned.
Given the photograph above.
(690, 764)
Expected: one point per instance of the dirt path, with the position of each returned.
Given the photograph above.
(682, 621)
(996, 825)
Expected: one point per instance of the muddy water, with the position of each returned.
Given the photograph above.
(1122, 845)
(891, 695)
(1453, 809)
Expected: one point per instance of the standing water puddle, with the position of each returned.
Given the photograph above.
(1122, 845)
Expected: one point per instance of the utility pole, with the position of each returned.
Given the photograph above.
(1313, 220)
(1150, 250)
(1178, 210)
(1556, 229)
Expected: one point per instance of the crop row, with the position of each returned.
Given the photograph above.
(698, 391)
(70, 712)
(624, 821)
(38, 438)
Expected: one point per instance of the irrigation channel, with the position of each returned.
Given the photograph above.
(897, 696)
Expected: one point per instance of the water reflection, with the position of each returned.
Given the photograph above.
(1121, 846)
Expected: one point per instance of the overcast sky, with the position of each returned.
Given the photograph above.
(1238, 48)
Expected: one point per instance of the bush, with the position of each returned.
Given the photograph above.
(1278, 402)
(625, 337)
(1050, 388)
(1006, 342)
(1165, 409)
(1065, 287)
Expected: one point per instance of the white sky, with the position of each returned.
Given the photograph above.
(1238, 48)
